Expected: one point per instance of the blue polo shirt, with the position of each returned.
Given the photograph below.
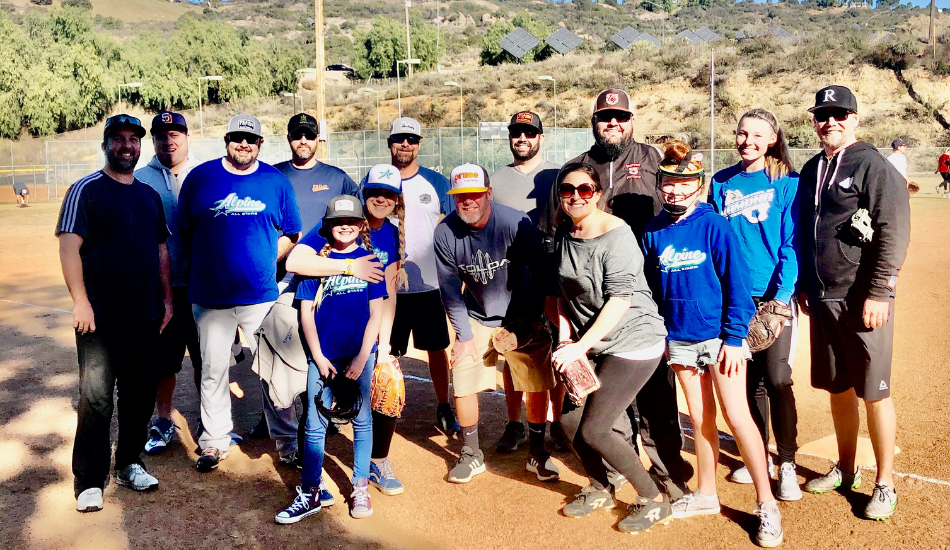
(231, 224)
(314, 187)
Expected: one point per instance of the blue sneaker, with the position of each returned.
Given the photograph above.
(326, 497)
(382, 477)
(306, 504)
(159, 436)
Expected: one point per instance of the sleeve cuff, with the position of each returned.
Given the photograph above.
(784, 296)
(732, 341)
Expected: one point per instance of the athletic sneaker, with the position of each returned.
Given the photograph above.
(471, 463)
(135, 477)
(561, 441)
(543, 467)
(306, 504)
(589, 499)
(361, 505)
(160, 434)
(326, 497)
(209, 459)
(788, 489)
(383, 478)
(445, 420)
(615, 479)
(695, 504)
(294, 460)
(834, 479)
(770, 532)
(513, 438)
(883, 502)
(673, 489)
(645, 514)
(89, 500)
(743, 476)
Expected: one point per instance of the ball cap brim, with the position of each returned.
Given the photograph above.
(468, 178)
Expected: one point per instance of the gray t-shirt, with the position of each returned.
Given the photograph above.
(591, 271)
(526, 192)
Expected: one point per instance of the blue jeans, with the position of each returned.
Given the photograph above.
(317, 424)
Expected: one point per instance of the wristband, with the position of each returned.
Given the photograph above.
(348, 270)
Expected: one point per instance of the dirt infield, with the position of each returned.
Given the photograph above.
(505, 508)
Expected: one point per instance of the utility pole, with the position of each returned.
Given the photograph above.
(933, 28)
(320, 75)
(408, 43)
(712, 114)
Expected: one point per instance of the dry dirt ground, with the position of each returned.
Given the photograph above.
(505, 508)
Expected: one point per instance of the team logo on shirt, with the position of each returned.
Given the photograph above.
(484, 268)
(671, 260)
(232, 205)
(381, 255)
(633, 171)
(318, 187)
(342, 284)
(425, 198)
(754, 207)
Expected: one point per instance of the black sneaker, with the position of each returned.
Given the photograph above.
(445, 420)
(294, 460)
(543, 467)
(513, 438)
(561, 441)
(645, 514)
(209, 459)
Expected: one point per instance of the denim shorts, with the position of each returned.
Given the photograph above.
(698, 355)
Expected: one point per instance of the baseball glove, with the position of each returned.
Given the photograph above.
(913, 187)
(579, 378)
(388, 394)
(767, 324)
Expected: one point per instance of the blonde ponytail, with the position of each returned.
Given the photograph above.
(402, 278)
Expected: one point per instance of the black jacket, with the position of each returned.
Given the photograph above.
(833, 263)
(629, 184)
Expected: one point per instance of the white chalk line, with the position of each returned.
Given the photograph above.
(36, 306)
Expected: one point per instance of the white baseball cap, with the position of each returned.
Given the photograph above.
(384, 176)
(469, 178)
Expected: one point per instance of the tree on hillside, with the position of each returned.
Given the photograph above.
(493, 54)
(376, 51)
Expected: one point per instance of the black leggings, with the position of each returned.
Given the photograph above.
(769, 388)
(383, 429)
(595, 441)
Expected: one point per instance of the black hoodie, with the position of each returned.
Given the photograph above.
(833, 263)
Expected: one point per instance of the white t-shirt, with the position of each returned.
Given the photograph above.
(899, 160)
(426, 197)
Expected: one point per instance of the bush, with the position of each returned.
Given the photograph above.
(81, 4)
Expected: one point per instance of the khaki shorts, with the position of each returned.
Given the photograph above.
(530, 365)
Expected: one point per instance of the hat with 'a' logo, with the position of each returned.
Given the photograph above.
(837, 97)
(245, 124)
(613, 100)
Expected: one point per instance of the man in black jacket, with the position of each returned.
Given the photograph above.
(854, 229)
(627, 172)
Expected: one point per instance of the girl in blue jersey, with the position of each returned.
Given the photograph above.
(340, 316)
(701, 283)
(758, 198)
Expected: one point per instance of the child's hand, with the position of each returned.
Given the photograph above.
(355, 369)
(567, 354)
(326, 368)
(731, 360)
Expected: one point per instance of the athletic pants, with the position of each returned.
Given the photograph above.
(216, 329)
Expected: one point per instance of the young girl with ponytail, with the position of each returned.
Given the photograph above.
(758, 198)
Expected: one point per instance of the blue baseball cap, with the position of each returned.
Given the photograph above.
(168, 120)
(384, 176)
(118, 122)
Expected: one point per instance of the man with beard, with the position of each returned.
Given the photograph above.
(165, 173)
(628, 170)
(419, 310)
(854, 230)
(525, 185)
(237, 216)
(485, 252)
(115, 261)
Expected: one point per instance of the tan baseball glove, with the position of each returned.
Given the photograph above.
(767, 324)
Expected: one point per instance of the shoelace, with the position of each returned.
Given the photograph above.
(881, 492)
(386, 470)
(685, 500)
(360, 497)
(135, 470)
(210, 451)
(767, 520)
(302, 502)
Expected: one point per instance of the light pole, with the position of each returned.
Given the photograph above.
(461, 119)
(299, 72)
(201, 115)
(551, 78)
(398, 85)
(127, 85)
(372, 91)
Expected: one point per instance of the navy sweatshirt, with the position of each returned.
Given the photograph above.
(698, 277)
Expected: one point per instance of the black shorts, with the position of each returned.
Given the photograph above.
(422, 315)
(945, 176)
(845, 354)
(181, 332)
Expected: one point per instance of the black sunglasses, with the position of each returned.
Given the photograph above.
(607, 116)
(239, 137)
(530, 134)
(839, 114)
(297, 136)
(399, 138)
(123, 119)
(584, 191)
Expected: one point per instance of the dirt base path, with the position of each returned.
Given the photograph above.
(505, 508)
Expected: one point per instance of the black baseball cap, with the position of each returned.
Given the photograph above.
(168, 120)
(526, 120)
(613, 100)
(897, 143)
(302, 121)
(118, 122)
(835, 96)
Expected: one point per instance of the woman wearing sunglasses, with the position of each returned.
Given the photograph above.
(606, 312)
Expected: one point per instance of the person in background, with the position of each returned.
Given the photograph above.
(897, 157)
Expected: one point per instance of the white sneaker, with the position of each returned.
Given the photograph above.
(788, 489)
(770, 532)
(135, 477)
(695, 504)
(89, 500)
(743, 476)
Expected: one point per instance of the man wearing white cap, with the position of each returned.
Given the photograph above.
(237, 217)
(490, 249)
(419, 309)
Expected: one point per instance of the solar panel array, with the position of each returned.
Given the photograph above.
(646, 37)
(563, 40)
(707, 35)
(518, 42)
(688, 36)
(626, 37)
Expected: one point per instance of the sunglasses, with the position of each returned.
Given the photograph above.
(297, 136)
(413, 140)
(530, 134)
(822, 115)
(240, 137)
(123, 119)
(607, 116)
(584, 191)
